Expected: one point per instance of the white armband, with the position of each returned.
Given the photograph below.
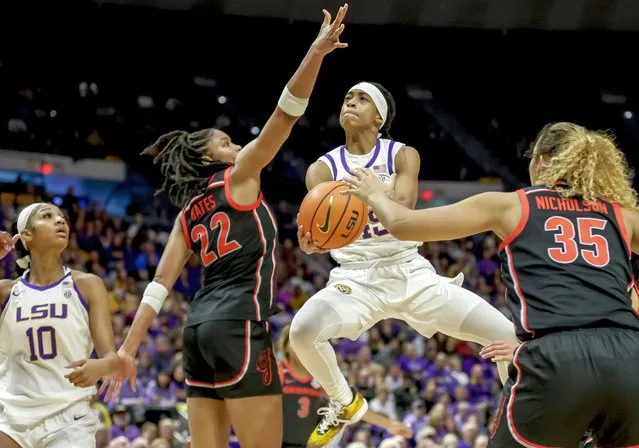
(292, 105)
(154, 295)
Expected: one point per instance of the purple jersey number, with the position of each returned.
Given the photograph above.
(42, 352)
(374, 225)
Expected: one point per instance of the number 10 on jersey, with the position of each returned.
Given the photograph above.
(42, 344)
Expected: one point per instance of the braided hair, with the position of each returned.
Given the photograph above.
(180, 155)
(392, 109)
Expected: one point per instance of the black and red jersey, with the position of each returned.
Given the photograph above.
(301, 400)
(567, 265)
(236, 247)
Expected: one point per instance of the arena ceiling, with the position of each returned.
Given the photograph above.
(621, 15)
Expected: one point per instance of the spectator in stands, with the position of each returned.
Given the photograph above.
(122, 426)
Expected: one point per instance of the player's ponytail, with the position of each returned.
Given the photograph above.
(21, 252)
(180, 155)
(589, 163)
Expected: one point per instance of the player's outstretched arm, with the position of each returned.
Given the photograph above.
(292, 104)
(392, 426)
(86, 373)
(631, 220)
(481, 213)
(172, 262)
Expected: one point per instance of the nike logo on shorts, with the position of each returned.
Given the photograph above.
(76, 418)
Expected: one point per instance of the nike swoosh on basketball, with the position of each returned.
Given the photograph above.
(327, 224)
(76, 418)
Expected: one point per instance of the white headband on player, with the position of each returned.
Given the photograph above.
(23, 219)
(377, 97)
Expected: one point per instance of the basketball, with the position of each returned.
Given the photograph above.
(334, 220)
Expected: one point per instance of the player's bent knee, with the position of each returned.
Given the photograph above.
(306, 325)
(300, 333)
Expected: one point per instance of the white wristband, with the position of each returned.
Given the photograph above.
(292, 105)
(154, 295)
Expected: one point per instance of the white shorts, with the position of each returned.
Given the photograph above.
(75, 427)
(410, 291)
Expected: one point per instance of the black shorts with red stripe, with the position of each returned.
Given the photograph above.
(230, 359)
(565, 383)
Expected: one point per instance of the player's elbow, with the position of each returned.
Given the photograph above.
(409, 201)
(164, 280)
(402, 225)
(282, 116)
(398, 228)
(274, 134)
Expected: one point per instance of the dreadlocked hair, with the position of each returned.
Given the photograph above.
(180, 155)
(392, 109)
(589, 162)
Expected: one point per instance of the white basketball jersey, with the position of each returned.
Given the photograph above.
(375, 243)
(42, 329)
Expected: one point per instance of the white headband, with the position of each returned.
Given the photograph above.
(25, 214)
(23, 219)
(377, 97)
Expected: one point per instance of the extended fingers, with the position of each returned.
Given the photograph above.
(105, 384)
(494, 345)
(361, 173)
(498, 355)
(80, 380)
(352, 180)
(327, 17)
(72, 376)
(340, 16)
(338, 32)
(113, 391)
(337, 22)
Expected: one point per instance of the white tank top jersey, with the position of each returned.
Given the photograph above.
(375, 243)
(42, 329)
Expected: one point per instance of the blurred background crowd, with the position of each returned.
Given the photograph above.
(469, 99)
(438, 386)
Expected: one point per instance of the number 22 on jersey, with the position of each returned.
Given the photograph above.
(224, 246)
(571, 240)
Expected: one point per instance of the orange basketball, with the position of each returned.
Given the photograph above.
(334, 220)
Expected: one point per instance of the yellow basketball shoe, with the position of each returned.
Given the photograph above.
(335, 418)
